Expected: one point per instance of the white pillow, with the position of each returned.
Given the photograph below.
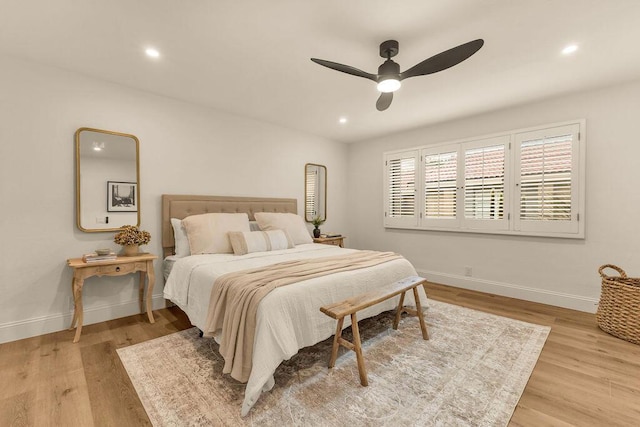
(292, 223)
(259, 241)
(181, 241)
(208, 233)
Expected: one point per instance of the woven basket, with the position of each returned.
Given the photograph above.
(619, 308)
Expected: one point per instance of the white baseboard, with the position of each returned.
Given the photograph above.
(27, 328)
(558, 299)
(21, 329)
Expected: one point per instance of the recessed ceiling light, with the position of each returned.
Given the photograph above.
(570, 49)
(153, 53)
(343, 120)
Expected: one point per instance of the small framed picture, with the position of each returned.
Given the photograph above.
(122, 196)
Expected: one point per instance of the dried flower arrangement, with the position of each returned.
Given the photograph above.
(132, 235)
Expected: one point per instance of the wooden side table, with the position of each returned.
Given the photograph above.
(118, 267)
(335, 241)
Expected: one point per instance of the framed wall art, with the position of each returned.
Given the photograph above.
(121, 196)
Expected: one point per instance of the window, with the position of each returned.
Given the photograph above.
(528, 182)
(546, 187)
(440, 186)
(485, 174)
(400, 185)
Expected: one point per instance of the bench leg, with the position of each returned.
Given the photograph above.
(336, 343)
(399, 311)
(362, 370)
(423, 326)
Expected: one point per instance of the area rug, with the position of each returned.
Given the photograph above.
(471, 372)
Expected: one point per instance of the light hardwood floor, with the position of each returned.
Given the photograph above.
(583, 377)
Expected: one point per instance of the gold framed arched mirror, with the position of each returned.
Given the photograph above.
(315, 192)
(107, 180)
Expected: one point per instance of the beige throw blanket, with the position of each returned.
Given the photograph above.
(235, 298)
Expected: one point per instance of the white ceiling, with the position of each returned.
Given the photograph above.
(252, 57)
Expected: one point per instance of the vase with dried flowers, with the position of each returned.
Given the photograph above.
(131, 237)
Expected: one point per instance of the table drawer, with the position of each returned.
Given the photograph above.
(335, 242)
(119, 269)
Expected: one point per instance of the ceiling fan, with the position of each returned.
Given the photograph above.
(389, 75)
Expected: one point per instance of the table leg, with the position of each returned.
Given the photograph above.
(399, 311)
(336, 343)
(78, 314)
(75, 307)
(152, 279)
(73, 321)
(141, 284)
(362, 370)
(423, 326)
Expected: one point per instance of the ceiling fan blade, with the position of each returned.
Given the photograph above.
(346, 69)
(444, 60)
(384, 101)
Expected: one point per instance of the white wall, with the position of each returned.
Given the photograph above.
(184, 149)
(561, 272)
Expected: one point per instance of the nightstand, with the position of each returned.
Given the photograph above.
(117, 267)
(335, 241)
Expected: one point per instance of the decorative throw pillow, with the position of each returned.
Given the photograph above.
(181, 241)
(259, 241)
(208, 233)
(292, 223)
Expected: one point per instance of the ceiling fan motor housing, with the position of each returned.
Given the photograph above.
(387, 69)
(389, 49)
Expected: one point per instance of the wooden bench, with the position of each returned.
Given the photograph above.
(352, 305)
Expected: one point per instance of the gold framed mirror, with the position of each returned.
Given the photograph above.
(107, 180)
(315, 192)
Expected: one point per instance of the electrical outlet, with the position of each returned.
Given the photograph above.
(468, 271)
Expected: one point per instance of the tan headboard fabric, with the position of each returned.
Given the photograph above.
(181, 206)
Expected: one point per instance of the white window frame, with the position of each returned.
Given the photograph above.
(487, 224)
(401, 222)
(437, 222)
(571, 226)
(510, 224)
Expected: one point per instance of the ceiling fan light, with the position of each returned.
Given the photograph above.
(389, 85)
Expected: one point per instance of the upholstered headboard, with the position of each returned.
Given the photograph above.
(181, 206)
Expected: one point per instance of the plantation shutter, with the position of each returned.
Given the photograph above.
(400, 188)
(547, 180)
(528, 182)
(485, 172)
(440, 186)
(311, 199)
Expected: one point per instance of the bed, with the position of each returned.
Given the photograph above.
(288, 318)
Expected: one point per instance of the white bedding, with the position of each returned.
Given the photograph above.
(289, 317)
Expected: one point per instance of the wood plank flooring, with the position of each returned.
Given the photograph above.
(584, 377)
